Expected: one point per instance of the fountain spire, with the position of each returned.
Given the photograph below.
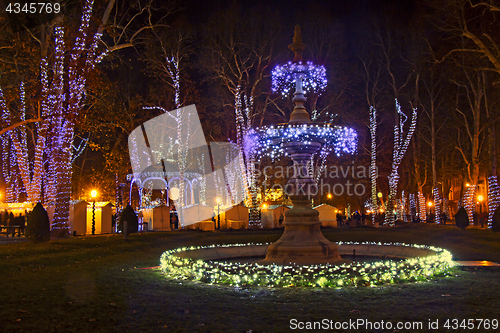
(299, 114)
(297, 46)
(302, 242)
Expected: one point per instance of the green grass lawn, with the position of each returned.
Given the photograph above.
(95, 284)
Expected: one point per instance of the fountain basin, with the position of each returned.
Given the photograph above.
(206, 264)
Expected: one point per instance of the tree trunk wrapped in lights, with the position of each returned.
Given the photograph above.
(413, 206)
(437, 205)
(373, 161)
(469, 202)
(63, 78)
(403, 209)
(493, 197)
(401, 143)
(421, 207)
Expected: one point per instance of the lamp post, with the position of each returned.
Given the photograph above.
(218, 213)
(480, 199)
(429, 203)
(93, 194)
(173, 193)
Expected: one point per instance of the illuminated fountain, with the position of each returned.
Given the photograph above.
(303, 256)
(302, 241)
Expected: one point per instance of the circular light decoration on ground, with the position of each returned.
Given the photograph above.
(270, 140)
(325, 276)
(284, 77)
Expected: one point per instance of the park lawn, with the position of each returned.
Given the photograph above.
(96, 284)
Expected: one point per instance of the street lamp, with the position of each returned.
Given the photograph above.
(93, 194)
(380, 197)
(329, 197)
(429, 203)
(480, 199)
(218, 213)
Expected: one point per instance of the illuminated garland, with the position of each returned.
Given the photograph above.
(6, 161)
(373, 160)
(401, 144)
(203, 181)
(270, 141)
(284, 77)
(62, 97)
(401, 207)
(413, 206)
(493, 197)
(325, 276)
(470, 202)
(437, 205)
(421, 207)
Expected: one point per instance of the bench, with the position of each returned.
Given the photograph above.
(10, 230)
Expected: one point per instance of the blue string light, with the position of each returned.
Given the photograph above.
(285, 76)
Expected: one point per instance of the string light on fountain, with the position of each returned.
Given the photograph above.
(269, 141)
(285, 76)
(176, 266)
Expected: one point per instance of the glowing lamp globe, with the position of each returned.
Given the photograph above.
(93, 194)
(174, 193)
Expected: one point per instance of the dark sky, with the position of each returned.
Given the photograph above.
(292, 11)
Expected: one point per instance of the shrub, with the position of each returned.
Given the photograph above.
(5, 218)
(38, 226)
(461, 218)
(495, 225)
(128, 214)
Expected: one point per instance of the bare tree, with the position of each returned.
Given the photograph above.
(63, 81)
(241, 53)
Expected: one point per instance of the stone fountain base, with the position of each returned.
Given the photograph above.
(302, 242)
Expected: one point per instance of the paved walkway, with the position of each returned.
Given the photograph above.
(9, 240)
(483, 263)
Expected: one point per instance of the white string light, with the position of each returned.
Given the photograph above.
(470, 202)
(373, 160)
(285, 76)
(437, 205)
(401, 144)
(422, 209)
(413, 206)
(179, 267)
(493, 197)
